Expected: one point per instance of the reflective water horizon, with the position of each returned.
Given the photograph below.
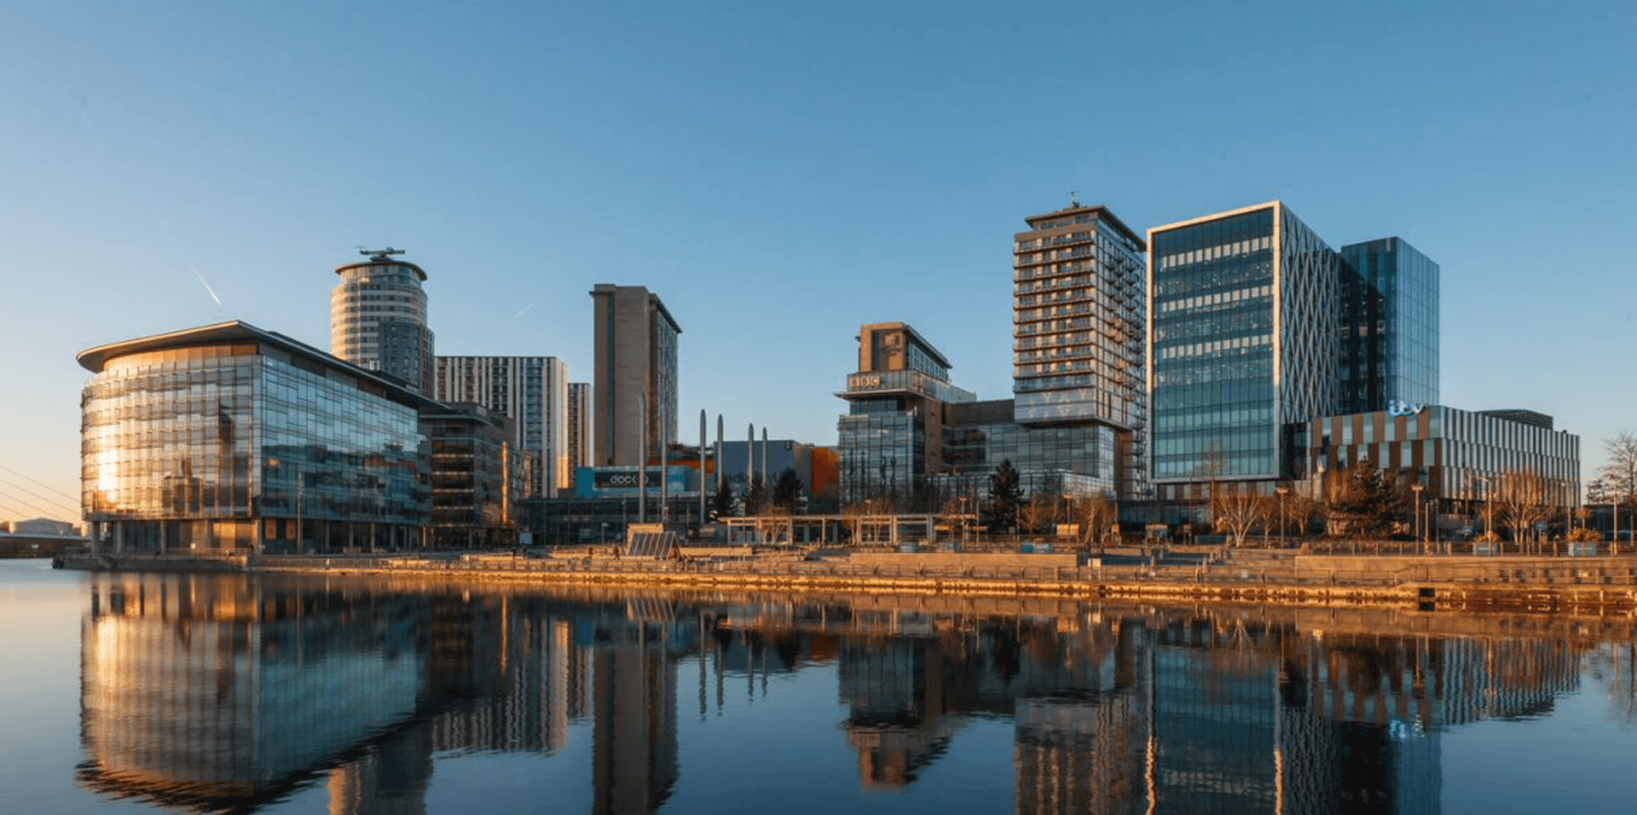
(208, 693)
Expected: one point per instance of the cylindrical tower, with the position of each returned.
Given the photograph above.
(378, 319)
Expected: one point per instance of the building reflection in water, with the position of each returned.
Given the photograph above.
(215, 693)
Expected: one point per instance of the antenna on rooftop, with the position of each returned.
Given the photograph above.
(379, 255)
(1073, 203)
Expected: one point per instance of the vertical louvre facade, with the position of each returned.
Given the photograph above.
(1243, 337)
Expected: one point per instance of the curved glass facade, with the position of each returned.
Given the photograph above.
(241, 444)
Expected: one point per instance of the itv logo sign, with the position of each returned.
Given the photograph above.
(1399, 407)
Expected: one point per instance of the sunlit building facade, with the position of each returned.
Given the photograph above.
(378, 319)
(577, 429)
(1456, 457)
(1243, 339)
(228, 437)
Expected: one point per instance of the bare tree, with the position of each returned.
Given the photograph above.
(1236, 512)
(861, 513)
(1097, 517)
(1617, 479)
(1523, 499)
(1037, 513)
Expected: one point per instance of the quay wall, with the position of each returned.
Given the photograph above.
(1599, 586)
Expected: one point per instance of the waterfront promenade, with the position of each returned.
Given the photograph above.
(1600, 585)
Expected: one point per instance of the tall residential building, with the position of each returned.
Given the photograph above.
(532, 392)
(891, 437)
(636, 374)
(1389, 326)
(579, 428)
(1079, 298)
(1243, 340)
(378, 318)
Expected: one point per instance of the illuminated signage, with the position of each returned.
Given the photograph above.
(859, 381)
(1399, 407)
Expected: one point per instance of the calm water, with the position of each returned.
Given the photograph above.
(207, 693)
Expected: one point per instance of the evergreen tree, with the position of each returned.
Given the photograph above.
(1005, 495)
(787, 491)
(1366, 501)
(755, 498)
(722, 501)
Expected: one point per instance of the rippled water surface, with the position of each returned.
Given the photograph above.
(217, 693)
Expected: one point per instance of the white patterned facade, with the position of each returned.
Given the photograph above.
(533, 392)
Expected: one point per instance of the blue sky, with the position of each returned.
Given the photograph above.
(780, 173)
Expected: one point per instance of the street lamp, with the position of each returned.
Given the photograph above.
(1282, 490)
(1417, 488)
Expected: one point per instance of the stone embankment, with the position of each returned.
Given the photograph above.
(1595, 585)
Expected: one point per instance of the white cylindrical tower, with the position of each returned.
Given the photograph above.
(378, 319)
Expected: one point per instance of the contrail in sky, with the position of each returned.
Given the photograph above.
(525, 309)
(207, 285)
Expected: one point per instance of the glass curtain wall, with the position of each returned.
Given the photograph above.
(230, 445)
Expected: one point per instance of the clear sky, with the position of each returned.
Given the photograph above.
(780, 173)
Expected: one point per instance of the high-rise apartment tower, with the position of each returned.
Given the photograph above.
(1078, 300)
(635, 391)
(378, 319)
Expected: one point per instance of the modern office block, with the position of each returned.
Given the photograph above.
(1079, 299)
(635, 394)
(532, 392)
(230, 437)
(1454, 455)
(890, 439)
(378, 319)
(579, 429)
(1389, 326)
(1243, 339)
(473, 471)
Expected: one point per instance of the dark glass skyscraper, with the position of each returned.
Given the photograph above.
(1389, 326)
(1243, 338)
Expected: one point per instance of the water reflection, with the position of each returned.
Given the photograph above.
(209, 693)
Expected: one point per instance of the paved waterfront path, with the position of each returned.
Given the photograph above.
(1603, 585)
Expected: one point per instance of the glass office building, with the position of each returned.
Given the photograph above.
(890, 439)
(1389, 326)
(231, 438)
(1453, 455)
(1074, 459)
(1243, 338)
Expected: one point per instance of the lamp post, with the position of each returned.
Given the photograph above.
(1417, 488)
(1282, 490)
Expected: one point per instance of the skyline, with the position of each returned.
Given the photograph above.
(780, 177)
